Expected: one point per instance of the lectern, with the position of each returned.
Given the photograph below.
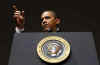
(82, 48)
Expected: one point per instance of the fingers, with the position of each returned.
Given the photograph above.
(17, 13)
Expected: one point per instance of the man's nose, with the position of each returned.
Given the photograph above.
(44, 22)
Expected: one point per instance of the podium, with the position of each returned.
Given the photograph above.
(83, 51)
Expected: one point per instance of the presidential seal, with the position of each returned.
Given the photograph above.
(53, 49)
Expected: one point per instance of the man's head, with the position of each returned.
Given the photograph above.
(49, 20)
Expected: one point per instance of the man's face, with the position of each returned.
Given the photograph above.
(48, 20)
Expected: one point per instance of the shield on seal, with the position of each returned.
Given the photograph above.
(53, 49)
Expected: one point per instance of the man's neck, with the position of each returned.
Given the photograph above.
(54, 29)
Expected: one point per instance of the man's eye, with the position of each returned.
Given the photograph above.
(42, 19)
(47, 17)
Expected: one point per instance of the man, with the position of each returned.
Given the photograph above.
(49, 21)
(19, 17)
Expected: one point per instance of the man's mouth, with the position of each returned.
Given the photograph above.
(45, 25)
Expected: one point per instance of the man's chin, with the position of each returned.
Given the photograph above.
(46, 29)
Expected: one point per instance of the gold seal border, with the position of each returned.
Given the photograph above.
(53, 60)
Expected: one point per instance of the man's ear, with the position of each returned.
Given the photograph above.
(58, 21)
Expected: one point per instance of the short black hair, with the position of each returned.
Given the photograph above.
(54, 13)
(57, 15)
